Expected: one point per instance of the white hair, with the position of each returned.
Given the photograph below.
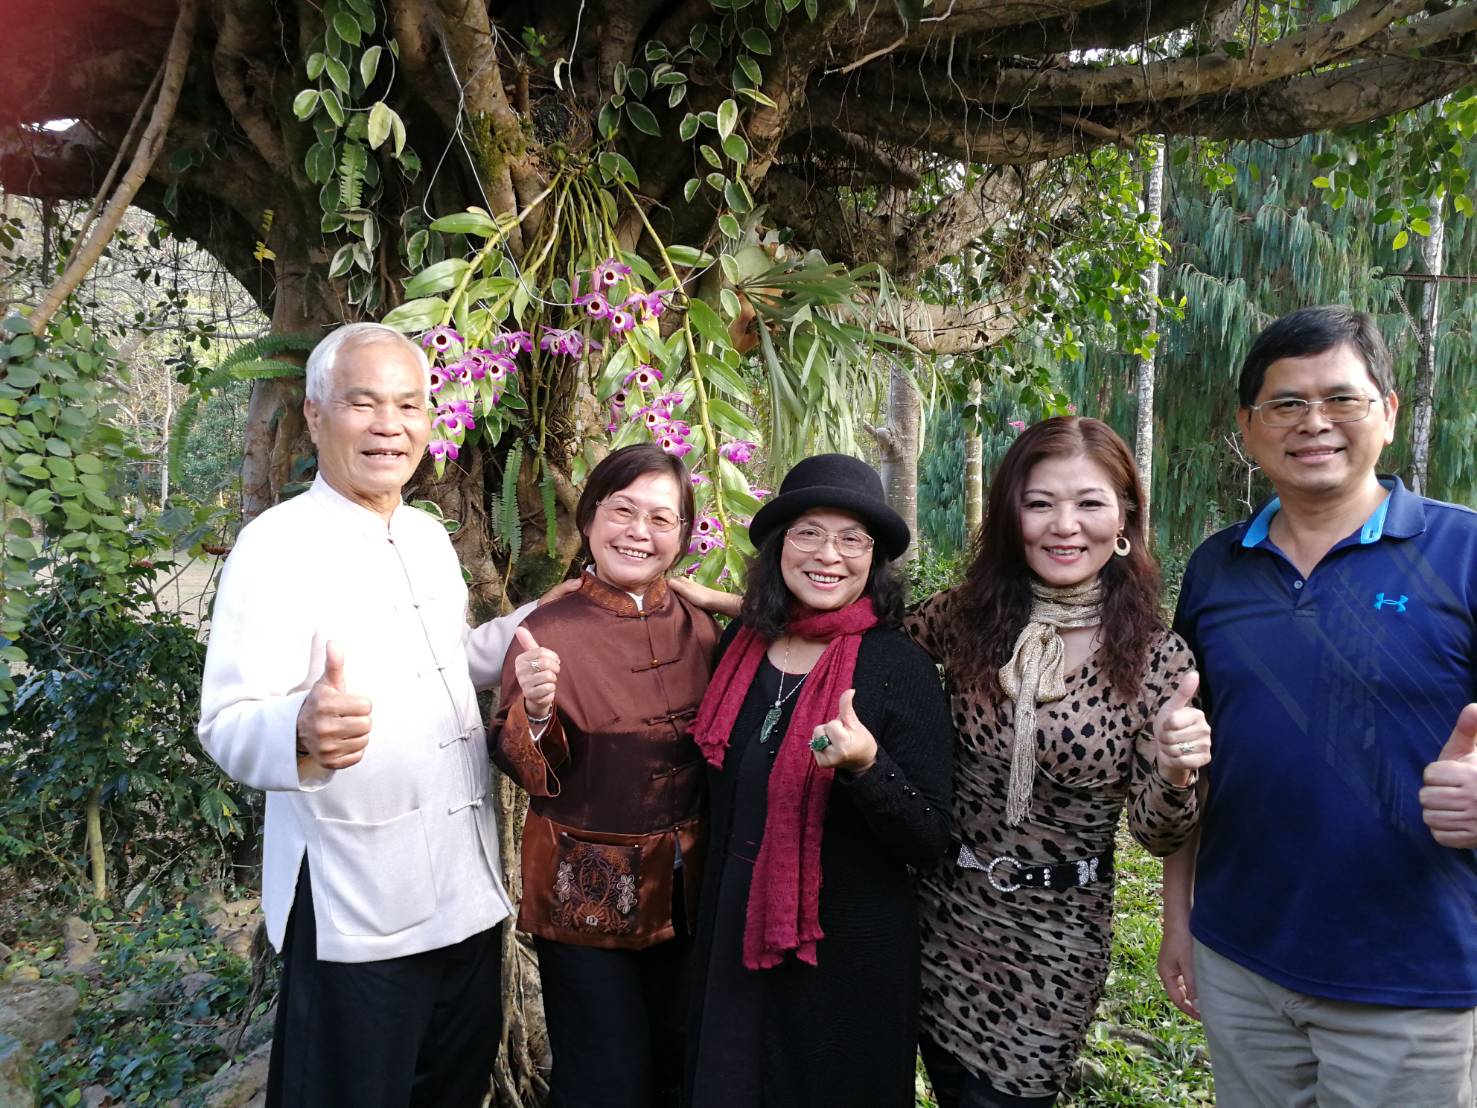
(324, 359)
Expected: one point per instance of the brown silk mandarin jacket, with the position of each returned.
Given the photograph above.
(616, 784)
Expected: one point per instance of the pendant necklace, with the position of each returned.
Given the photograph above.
(772, 717)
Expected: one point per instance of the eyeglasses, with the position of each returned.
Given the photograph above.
(624, 513)
(1349, 408)
(849, 544)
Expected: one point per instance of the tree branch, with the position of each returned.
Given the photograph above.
(88, 252)
(497, 134)
(243, 30)
(960, 329)
(1085, 87)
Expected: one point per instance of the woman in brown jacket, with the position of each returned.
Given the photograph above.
(613, 842)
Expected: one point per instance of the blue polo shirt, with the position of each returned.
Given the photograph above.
(1328, 696)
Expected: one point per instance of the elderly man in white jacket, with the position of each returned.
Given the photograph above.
(341, 679)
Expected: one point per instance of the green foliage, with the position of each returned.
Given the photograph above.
(348, 115)
(143, 1033)
(1242, 257)
(933, 571)
(59, 458)
(941, 483)
(108, 711)
(1403, 166)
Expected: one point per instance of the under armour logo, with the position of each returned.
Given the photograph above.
(1397, 604)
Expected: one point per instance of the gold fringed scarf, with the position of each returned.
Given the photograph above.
(1034, 675)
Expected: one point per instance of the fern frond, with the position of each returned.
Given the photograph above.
(179, 434)
(268, 346)
(508, 527)
(351, 175)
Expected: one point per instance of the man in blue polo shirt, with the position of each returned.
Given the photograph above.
(1332, 945)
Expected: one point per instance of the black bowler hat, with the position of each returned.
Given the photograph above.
(834, 481)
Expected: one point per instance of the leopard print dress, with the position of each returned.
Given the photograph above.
(1011, 981)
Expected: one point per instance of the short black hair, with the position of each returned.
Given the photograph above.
(1310, 331)
(767, 599)
(619, 468)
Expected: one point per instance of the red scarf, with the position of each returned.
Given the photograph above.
(784, 895)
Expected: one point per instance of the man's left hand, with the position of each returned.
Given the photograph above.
(1449, 799)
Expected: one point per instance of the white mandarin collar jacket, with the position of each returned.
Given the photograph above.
(402, 847)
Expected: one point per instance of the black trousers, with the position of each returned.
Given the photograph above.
(418, 1030)
(616, 1023)
(955, 1087)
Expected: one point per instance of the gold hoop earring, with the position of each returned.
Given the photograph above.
(1121, 546)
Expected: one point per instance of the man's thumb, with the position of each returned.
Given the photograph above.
(525, 639)
(1463, 740)
(333, 667)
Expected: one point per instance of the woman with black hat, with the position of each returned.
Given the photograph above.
(830, 744)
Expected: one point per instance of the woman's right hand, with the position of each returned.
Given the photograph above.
(701, 596)
(538, 674)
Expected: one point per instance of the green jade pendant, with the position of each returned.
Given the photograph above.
(771, 720)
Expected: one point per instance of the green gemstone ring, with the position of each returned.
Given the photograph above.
(820, 742)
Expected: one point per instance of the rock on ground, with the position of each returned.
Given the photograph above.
(241, 1085)
(18, 1075)
(80, 943)
(37, 1011)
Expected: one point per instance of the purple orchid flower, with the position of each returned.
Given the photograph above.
(514, 342)
(674, 446)
(455, 417)
(609, 272)
(643, 377)
(442, 449)
(476, 363)
(594, 306)
(649, 304)
(698, 480)
(440, 339)
(500, 367)
(710, 526)
(566, 341)
(438, 379)
(739, 452)
(621, 320)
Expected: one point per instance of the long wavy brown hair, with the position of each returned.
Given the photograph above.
(993, 604)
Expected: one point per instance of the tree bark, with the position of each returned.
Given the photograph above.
(898, 445)
(1425, 374)
(974, 467)
(97, 856)
(1144, 434)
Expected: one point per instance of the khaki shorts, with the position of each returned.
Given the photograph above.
(1271, 1047)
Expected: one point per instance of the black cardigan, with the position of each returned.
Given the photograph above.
(843, 1031)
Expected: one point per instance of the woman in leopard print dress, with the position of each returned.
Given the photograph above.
(1060, 607)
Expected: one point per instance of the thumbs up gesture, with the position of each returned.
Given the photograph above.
(538, 674)
(1181, 734)
(844, 742)
(332, 724)
(1449, 798)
